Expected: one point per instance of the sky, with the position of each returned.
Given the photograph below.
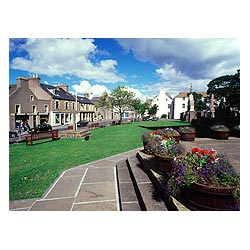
(144, 65)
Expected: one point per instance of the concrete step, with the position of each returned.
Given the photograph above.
(145, 164)
(127, 196)
(136, 190)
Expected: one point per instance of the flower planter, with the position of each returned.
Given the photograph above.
(201, 197)
(177, 138)
(221, 135)
(163, 163)
(148, 150)
(188, 136)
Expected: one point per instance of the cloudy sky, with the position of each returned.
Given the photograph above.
(144, 65)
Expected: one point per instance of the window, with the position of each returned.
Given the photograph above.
(73, 105)
(183, 98)
(57, 120)
(46, 109)
(169, 106)
(183, 105)
(34, 109)
(66, 105)
(32, 98)
(66, 117)
(18, 108)
(57, 104)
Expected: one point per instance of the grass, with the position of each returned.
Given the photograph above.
(33, 169)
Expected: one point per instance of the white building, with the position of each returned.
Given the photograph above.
(164, 103)
(180, 103)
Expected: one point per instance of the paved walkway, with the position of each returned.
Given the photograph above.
(93, 186)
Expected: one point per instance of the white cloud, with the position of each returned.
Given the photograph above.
(93, 90)
(137, 93)
(196, 58)
(66, 56)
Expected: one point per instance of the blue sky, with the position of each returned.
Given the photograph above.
(144, 65)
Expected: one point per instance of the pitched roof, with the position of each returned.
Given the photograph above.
(83, 99)
(57, 92)
(185, 94)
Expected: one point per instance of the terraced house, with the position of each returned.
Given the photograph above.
(34, 102)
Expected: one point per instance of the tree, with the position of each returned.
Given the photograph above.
(226, 90)
(139, 107)
(104, 103)
(153, 110)
(121, 98)
(199, 104)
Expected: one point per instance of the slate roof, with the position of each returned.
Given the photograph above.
(83, 99)
(57, 92)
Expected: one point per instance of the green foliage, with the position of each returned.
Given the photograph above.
(122, 99)
(226, 87)
(153, 110)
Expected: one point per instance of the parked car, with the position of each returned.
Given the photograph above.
(42, 127)
(146, 118)
(13, 134)
(82, 123)
(154, 118)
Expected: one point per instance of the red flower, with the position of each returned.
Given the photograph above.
(196, 150)
(212, 152)
(205, 152)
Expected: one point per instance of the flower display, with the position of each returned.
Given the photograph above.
(204, 167)
(219, 128)
(151, 140)
(169, 148)
(186, 129)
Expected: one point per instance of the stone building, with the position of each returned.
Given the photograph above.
(34, 102)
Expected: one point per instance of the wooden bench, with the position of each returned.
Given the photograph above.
(94, 125)
(34, 136)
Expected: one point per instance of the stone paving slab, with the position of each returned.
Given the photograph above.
(23, 205)
(65, 187)
(96, 206)
(64, 204)
(99, 175)
(96, 192)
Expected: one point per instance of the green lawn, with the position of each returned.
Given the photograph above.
(32, 169)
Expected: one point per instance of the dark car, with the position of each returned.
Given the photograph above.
(13, 134)
(42, 127)
(82, 123)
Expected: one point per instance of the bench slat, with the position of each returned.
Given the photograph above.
(34, 136)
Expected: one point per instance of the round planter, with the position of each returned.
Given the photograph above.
(177, 138)
(221, 135)
(201, 197)
(188, 136)
(147, 149)
(163, 164)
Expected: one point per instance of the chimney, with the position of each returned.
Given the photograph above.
(65, 87)
(34, 81)
(21, 82)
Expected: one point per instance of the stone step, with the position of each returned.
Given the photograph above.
(148, 197)
(146, 165)
(127, 196)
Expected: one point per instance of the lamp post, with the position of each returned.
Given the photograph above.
(76, 112)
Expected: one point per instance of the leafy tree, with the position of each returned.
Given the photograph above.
(226, 90)
(139, 107)
(122, 99)
(153, 110)
(199, 104)
(104, 103)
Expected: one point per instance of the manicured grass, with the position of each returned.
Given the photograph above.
(33, 169)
